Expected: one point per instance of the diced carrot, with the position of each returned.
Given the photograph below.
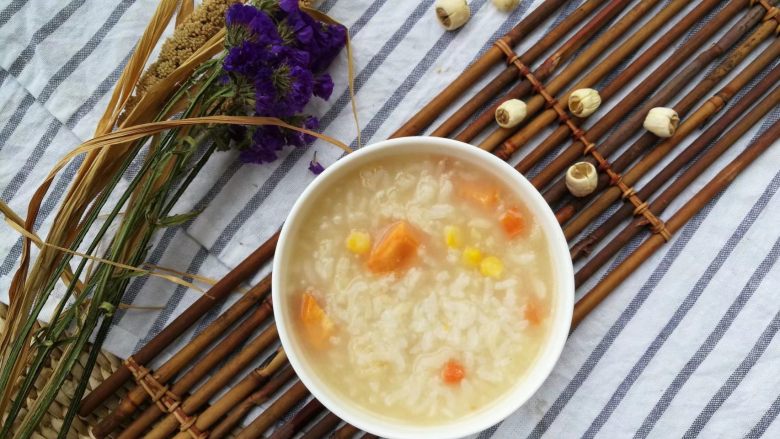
(534, 312)
(316, 322)
(395, 250)
(453, 372)
(512, 222)
(480, 195)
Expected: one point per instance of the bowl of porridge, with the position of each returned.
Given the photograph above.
(422, 289)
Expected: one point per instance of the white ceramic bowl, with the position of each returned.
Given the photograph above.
(562, 304)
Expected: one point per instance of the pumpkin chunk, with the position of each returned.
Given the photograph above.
(395, 250)
(318, 326)
(480, 195)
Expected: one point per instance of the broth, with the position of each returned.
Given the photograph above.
(420, 289)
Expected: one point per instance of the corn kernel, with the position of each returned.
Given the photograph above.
(491, 266)
(358, 242)
(452, 236)
(472, 256)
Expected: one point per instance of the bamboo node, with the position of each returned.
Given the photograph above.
(138, 371)
(188, 424)
(602, 162)
(260, 373)
(615, 178)
(588, 147)
(159, 394)
(772, 13)
(718, 102)
(628, 192)
(510, 54)
(771, 10)
(660, 229)
(267, 304)
(185, 420)
(552, 102)
(642, 208)
(162, 397)
(505, 151)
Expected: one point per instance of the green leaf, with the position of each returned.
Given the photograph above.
(178, 219)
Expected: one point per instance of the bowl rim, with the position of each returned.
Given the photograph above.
(522, 391)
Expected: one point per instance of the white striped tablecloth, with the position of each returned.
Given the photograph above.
(685, 347)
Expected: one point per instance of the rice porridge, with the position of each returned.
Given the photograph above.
(421, 290)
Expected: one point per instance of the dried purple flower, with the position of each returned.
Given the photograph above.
(300, 88)
(264, 30)
(301, 24)
(275, 61)
(327, 44)
(240, 15)
(266, 142)
(323, 86)
(299, 139)
(314, 166)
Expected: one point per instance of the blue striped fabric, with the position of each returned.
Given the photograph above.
(685, 347)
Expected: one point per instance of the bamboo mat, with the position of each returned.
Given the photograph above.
(52, 421)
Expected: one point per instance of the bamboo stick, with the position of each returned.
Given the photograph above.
(215, 383)
(474, 72)
(509, 74)
(181, 323)
(347, 431)
(323, 427)
(695, 120)
(266, 392)
(309, 411)
(258, 377)
(634, 122)
(188, 353)
(514, 138)
(674, 190)
(281, 406)
(611, 281)
(199, 370)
